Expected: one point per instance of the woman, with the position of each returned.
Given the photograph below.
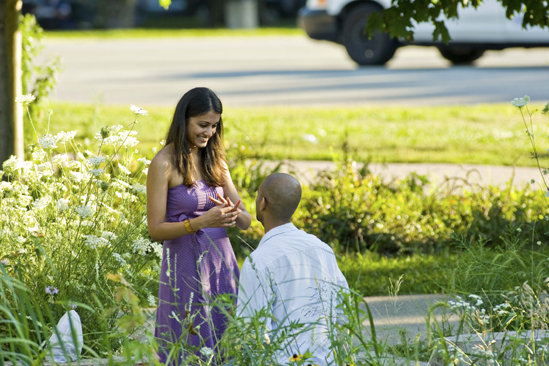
(189, 205)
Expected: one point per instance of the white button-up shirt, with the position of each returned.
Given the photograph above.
(295, 275)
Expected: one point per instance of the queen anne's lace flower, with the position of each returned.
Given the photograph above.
(117, 257)
(158, 249)
(206, 351)
(62, 204)
(151, 300)
(65, 137)
(94, 242)
(138, 110)
(141, 246)
(84, 211)
(25, 99)
(47, 142)
(97, 172)
(39, 155)
(41, 203)
(144, 161)
(520, 102)
(123, 169)
(139, 188)
(96, 160)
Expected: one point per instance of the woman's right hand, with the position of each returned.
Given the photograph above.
(219, 216)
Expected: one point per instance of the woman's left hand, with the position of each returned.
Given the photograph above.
(226, 202)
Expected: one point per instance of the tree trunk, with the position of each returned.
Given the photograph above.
(11, 113)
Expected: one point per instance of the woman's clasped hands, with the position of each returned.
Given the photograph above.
(224, 214)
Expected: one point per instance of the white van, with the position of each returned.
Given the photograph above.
(477, 30)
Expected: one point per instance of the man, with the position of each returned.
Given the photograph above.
(292, 274)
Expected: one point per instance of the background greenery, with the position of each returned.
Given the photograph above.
(456, 134)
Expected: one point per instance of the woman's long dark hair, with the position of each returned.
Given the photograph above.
(196, 102)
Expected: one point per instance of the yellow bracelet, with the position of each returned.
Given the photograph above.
(188, 227)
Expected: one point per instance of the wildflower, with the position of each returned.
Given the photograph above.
(163, 142)
(94, 242)
(146, 171)
(4, 262)
(96, 160)
(64, 137)
(25, 99)
(139, 188)
(41, 203)
(117, 257)
(520, 102)
(206, 351)
(123, 169)
(157, 249)
(138, 110)
(96, 172)
(145, 161)
(295, 358)
(84, 211)
(72, 305)
(52, 290)
(141, 246)
(47, 142)
(151, 300)
(109, 235)
(39, 155)
(519, 229)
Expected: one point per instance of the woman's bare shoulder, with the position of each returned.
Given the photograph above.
(163, 160)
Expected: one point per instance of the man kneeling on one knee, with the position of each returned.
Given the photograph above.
(292, 274)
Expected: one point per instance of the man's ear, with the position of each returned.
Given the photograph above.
(263, 204)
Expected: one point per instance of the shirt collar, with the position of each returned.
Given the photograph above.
(277, 231)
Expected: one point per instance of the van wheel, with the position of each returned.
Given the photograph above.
(460, 55)
(375, 51)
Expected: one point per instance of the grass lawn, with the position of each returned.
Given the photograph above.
(482, 134)
(170, 33)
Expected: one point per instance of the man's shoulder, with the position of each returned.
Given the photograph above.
(284, 245)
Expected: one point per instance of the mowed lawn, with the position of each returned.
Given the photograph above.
(483, 134)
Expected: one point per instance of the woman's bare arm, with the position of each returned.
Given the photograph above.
(158, 179)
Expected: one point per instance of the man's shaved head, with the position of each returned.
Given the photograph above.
(282, 193)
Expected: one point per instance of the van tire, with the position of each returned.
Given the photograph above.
(460, 55)
(365, 52)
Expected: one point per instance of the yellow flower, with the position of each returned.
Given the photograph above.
(295, 358)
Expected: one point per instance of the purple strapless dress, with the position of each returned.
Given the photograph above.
(200, 267)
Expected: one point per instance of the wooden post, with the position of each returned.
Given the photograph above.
(11, 113)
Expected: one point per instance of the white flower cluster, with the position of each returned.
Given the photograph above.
(65, 137)
(47, 142)
(85, 211)
(139, 188)
(471, 310)
(109, 235)
(145, 161)
(96, 160)
(138, 110)
(94, 242)
(118, 258)
(500, 309)
(151, 300)
(39, 155)
(41, 203)
(96, 172)
(62, 204)
(25, 99)
(142, 246)
(520, 102)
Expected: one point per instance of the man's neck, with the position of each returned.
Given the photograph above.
(269, 225)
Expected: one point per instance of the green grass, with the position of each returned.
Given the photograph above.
(374, 275)
(483, 134)
(170, 33)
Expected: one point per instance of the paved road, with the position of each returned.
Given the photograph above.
(288, 71)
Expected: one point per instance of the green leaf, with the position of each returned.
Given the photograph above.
(442, 31)
(545, 109)
(375, 23)
(165, 3)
